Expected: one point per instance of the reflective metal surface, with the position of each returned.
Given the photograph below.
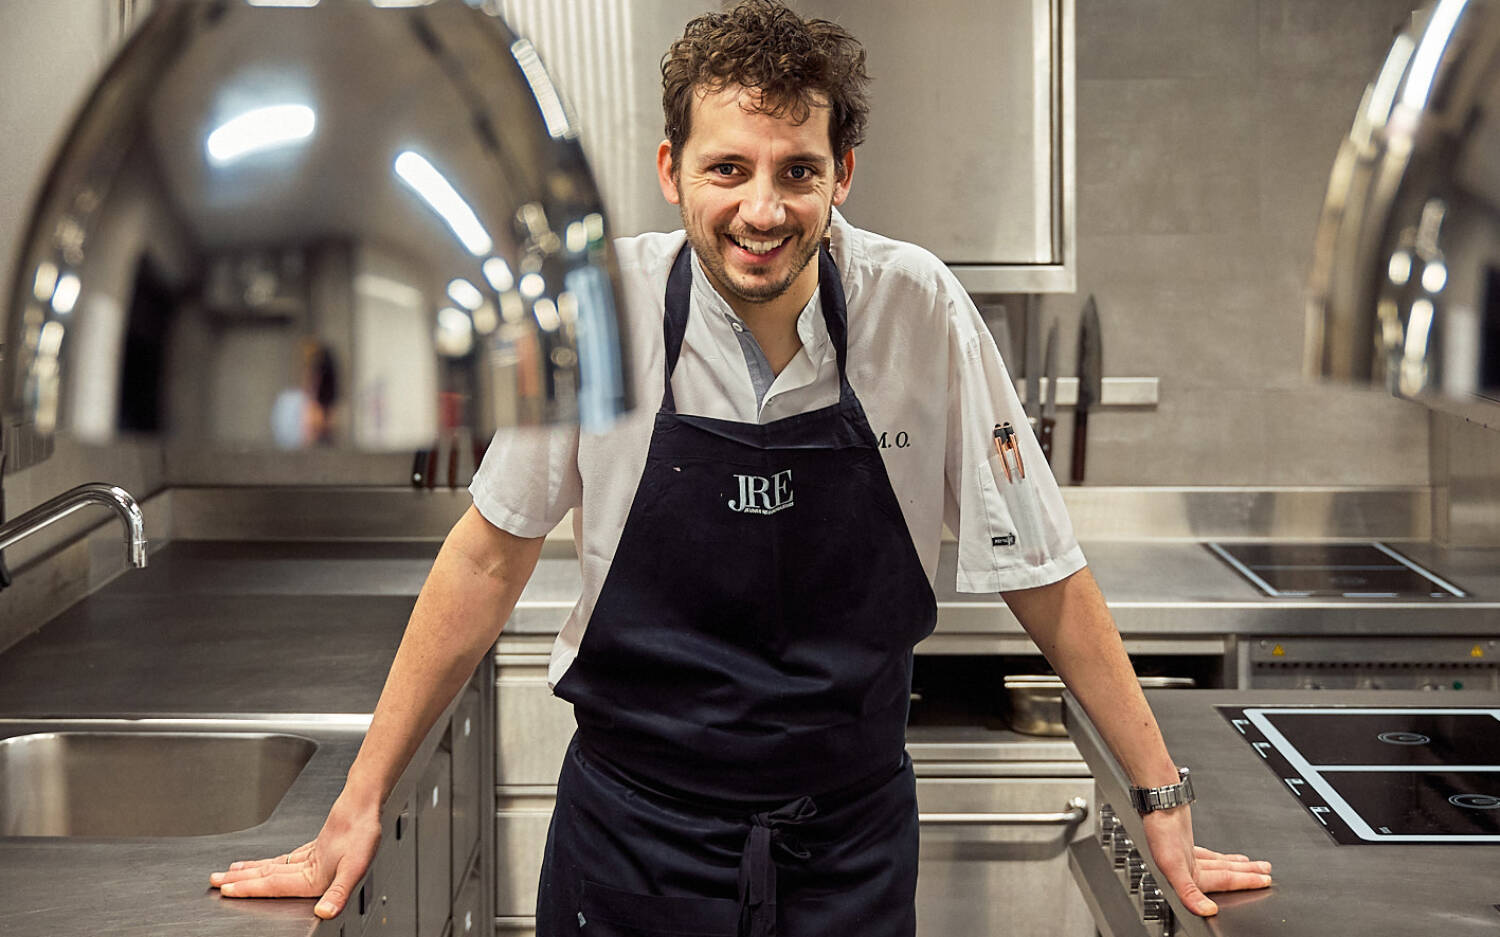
(355, 224)
(1405, 287)
(1321, 888)
(97, 782)
(55, 509)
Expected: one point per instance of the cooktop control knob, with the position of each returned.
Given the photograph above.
(1120, 848)
(1135, 867)
(1155, 912)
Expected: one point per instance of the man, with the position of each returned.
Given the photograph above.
(757, 564)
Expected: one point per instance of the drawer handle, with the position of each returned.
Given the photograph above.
(1078, 809)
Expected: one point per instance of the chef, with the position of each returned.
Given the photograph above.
(758, 546)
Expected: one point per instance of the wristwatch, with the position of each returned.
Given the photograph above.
(1147, 799)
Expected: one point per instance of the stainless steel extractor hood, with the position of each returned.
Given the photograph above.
(342, 223)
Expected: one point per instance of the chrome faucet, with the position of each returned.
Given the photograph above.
(49, 512)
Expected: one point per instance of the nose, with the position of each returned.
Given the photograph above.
(762, 208)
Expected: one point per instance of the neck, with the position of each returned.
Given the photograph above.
(774, 322)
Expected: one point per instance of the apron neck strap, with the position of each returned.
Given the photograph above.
(679, 302)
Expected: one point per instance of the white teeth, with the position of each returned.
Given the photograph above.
(757, 247)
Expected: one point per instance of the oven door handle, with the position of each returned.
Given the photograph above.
(1077, 811)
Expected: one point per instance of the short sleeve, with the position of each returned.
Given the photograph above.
(529, 479)
(1013, 532)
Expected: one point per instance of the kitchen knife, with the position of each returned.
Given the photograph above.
(1033, 406)
(1049, 402)
(1090, 381)
(419, 469)
(999, 322)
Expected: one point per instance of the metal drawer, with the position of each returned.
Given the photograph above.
(975, 878)
(392, 908)
(521, 823)
(434, 845)
(1004, 877)
(468, 917)
(468, 802)
(534, 726)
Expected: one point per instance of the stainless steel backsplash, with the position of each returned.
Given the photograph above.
(1465, 481)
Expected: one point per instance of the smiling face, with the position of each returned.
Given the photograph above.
(755, 192)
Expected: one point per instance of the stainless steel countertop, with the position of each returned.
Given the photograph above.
(1154, 588)
(139, 887)
(203, 633)
(311, 627)
(1321, 888)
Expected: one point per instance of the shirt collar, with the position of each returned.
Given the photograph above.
(811, 328)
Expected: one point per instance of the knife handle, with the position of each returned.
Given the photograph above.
(419, 468)
(1080, 435)
(1044, 436)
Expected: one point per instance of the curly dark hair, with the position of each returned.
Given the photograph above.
(795, 64)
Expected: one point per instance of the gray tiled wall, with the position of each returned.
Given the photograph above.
(1206, 130)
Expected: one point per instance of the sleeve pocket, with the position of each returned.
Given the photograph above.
(1017, 534)
(610, 912)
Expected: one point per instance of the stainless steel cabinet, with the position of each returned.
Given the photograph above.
(969, 149)
(970, 145)
(435, 845)
(425, 880)
(393, 906)
(468, 908)
(534, 730)
(975, 879)
(999, 878)
(469, 799)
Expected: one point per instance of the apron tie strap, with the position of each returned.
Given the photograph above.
(757, 879)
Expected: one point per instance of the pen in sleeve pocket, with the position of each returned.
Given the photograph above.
(1007, 445)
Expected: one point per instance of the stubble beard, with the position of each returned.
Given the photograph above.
(711, 255)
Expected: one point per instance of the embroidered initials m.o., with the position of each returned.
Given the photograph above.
(761, 495)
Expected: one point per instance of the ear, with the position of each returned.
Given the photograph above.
(841, 186)
(664, 173)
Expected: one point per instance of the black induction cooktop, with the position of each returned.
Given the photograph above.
(1347, 570)
(1384, 775)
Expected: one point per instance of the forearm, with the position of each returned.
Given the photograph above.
(1070, 622)
(473, 587)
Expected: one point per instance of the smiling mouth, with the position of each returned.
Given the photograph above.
(754, 246)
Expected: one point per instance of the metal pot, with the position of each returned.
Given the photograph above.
(1036, 706)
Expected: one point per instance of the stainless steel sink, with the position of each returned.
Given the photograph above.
(122, 777)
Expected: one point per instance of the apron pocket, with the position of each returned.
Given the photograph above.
(610, 912)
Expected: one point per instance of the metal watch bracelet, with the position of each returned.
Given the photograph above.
(1148, 799)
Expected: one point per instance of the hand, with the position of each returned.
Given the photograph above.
(328, 867)
(1192, 870)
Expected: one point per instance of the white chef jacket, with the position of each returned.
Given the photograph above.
(922, 363)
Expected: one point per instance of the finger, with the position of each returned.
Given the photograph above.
(1195, 900)
(1227, 880)
(1262, 867)
(1203, 853)
(337, 895)
(260, 871)
(301, 853)
(296, 855)
(239, 870)
(249, 863)
(292, 884)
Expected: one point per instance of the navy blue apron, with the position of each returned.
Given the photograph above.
(742, 687)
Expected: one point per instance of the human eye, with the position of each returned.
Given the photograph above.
(801, 173)
(723, 170)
